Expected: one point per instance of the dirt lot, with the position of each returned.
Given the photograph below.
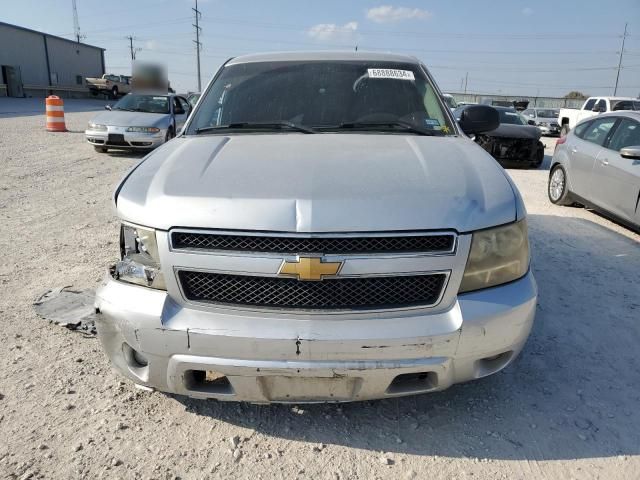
(568, 408)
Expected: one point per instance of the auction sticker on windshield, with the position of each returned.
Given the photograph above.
(391, 73)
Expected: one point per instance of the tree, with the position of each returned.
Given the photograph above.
(573, 95)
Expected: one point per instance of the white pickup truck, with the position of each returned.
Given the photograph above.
(569, 117)
(108, 84)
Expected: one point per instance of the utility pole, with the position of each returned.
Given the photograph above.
(133, 50)
(466, 80)
(624, 37)
(197, 42)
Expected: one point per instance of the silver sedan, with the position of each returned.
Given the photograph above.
(598, 165)
(138, 121)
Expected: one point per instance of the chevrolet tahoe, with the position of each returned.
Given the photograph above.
(322, 230)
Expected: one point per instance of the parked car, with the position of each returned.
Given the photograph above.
(322, 230)
(598, 165)
(193, 98)
(450, 101)
(546, 119)
(109, 84)
(515, 143)
(138, 121)
(568, 118)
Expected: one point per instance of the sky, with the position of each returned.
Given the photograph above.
(509, 47)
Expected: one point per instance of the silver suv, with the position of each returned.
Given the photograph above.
(322, 230)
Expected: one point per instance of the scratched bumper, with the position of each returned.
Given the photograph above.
(261, 357)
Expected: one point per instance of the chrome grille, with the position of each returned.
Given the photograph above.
(436, 243)
(329, 294)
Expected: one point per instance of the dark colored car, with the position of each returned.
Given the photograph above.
(515, 143)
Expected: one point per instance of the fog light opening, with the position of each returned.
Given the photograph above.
(488, 365)
(136, 360)
(207, 381)
(413, 383)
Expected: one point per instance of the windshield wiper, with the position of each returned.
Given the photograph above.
(258, 125)
(405, 126)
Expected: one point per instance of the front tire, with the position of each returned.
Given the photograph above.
(114, 93)
(557, 188)
(169, 135)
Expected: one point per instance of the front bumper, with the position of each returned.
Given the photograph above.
(262, 357)
(118, 137)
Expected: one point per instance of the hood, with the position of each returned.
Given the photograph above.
(318, 183)
(118, 118)
(507, 130)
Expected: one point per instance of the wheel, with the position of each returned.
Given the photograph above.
(169, 135)
(100, 149)
(564, 130)
(558, 190)
(114, 92)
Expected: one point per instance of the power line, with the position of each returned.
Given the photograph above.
(197, 42)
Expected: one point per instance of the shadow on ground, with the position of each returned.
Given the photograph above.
(27, 107)
(573, 393)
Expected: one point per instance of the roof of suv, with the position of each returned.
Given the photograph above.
(322, 55)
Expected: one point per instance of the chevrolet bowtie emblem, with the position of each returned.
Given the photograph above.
(309, 268)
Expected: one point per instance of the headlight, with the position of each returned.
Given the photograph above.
(143, 129)
(498, 255)
(140, 262)
(98, 127)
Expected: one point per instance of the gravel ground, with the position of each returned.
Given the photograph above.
(566, 409)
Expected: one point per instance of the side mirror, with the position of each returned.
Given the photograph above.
(531, 122)
(632, 153)
(479, 119)
(107, 107)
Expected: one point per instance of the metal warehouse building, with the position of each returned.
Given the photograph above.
(36, 64)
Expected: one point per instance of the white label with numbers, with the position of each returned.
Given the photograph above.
(391, 73)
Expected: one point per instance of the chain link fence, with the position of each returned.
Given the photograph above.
(546, 102)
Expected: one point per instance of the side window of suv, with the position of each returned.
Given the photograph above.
(626, 135)
(589, 105)
(599, 130)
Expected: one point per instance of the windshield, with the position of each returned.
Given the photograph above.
(143, 103)
(548, 113)
(511, 117)
(323, 95)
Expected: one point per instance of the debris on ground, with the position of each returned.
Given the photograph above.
(72, 309)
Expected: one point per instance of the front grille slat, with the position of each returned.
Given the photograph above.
(329, 294)
(438, 243)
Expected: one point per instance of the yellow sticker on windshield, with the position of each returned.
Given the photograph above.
(444, 129)
(391, 73)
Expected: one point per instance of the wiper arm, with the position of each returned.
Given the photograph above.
(406, 126)
(258, 125)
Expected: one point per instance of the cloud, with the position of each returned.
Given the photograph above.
(330, 32)
(527, 11)
(389, 14)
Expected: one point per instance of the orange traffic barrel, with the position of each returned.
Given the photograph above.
(55, 114)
